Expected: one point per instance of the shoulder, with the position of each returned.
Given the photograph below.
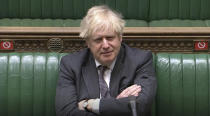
(76, 58)
(135, 57)
(136, 53)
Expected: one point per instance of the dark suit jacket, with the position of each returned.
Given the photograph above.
(78, 80)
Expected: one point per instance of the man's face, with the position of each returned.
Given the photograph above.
(105, 46)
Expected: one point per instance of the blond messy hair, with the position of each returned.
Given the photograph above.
(101, 18)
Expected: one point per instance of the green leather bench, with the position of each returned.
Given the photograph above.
(138, 13)
(28, 81)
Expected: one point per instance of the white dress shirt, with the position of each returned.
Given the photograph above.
(107, 73)
(107, 76)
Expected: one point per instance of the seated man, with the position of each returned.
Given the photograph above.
(103, 78)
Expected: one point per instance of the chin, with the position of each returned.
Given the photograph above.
(107, 61)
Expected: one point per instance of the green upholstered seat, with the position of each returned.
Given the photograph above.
(183, 84)
(69, 9)
(40, 22)
(59, 22)
(136, 23)
(28, 81)
(178, 23)
(207, 22)
(76, 23)
(179, 9)
(138, 13)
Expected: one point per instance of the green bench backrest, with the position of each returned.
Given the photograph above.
(183, 84)
(28, 81)
(131, 9)
(179, 9)
(69, 9)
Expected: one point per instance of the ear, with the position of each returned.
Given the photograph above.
(87, 43)
(120, 37)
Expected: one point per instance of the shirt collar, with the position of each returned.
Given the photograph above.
(110, 67)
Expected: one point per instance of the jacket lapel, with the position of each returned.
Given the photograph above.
(90, 76)
(116, 74)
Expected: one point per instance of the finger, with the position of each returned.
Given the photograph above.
(123, 93)
(136, 92)
(89, 107)
(133, 93)
(128, 91)
(80, 105)
(132, 90)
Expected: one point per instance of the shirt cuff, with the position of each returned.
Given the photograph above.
(95, 105)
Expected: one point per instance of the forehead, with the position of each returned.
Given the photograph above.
(103, 28)
(104, 33)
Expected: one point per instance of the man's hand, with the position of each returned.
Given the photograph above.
(133, 90)
(89, 106)
(80, 105)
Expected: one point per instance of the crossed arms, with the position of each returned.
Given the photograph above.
(68, 102)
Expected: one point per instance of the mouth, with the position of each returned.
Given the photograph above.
(107, 53)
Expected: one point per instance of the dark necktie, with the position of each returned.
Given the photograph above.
(104, 90)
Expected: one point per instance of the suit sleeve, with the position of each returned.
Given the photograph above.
(144, 76)
(66, 102)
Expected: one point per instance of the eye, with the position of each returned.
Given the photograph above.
(110, 38)
(97, 40)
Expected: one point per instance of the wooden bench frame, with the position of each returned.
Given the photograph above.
(66, 39)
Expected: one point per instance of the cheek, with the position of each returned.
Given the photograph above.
(95, 50)
(117, 45)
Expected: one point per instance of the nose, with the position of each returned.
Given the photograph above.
(105, 43)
